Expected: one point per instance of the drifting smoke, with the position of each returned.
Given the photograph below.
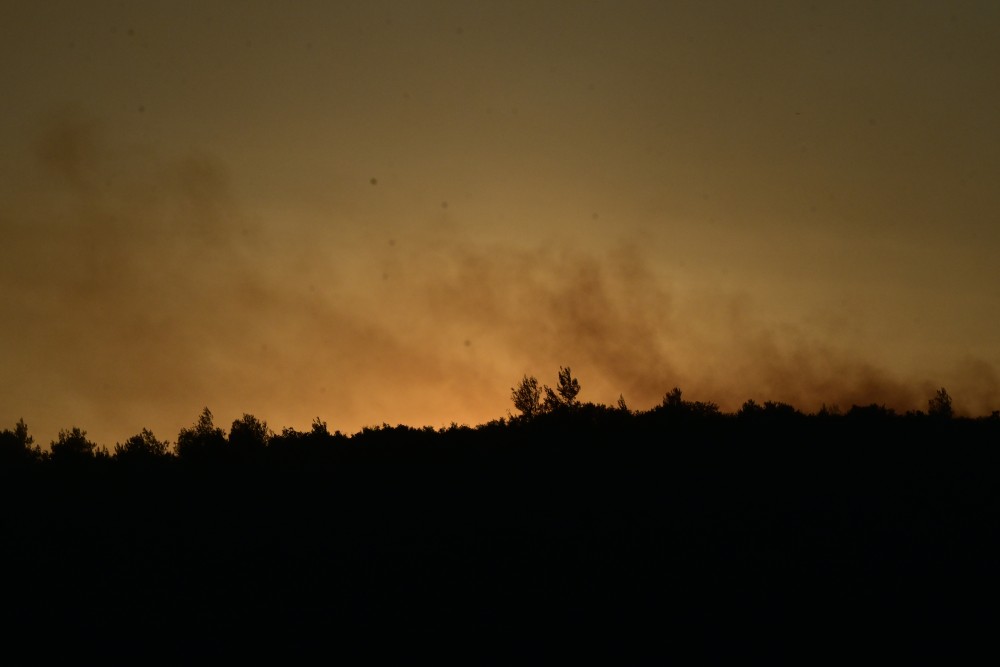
(137, 291)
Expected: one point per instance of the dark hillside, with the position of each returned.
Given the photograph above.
(586, 532)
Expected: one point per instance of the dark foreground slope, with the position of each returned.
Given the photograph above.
(640, 540)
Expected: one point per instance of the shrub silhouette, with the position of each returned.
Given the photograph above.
(298, 448)
(673, 405)
(873, 412)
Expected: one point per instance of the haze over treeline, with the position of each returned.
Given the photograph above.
(144, 289)
(384, 211)
(557, 406)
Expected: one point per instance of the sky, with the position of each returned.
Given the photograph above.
(390, 212)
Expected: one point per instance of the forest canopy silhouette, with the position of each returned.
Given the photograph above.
(681, 521)
(250, 439)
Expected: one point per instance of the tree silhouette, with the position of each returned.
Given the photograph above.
(565, 392)
(17, 446)
(672, 399)
(779, 409)
(939, 405)
(73, 446)
(527, 397)
(249, 436)
(143, 446)
(674, 405)
(203, 441)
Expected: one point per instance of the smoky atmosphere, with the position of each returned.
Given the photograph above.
(391, 212)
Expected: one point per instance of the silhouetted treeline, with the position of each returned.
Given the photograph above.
(549, 419)
(575, 531)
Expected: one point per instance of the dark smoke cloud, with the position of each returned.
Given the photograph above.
(624, 331)
(137, 290)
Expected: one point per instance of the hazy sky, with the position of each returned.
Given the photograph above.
(390, 211)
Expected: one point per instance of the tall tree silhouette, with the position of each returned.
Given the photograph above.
(565, 392)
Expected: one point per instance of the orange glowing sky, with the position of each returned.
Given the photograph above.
(390, 211)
